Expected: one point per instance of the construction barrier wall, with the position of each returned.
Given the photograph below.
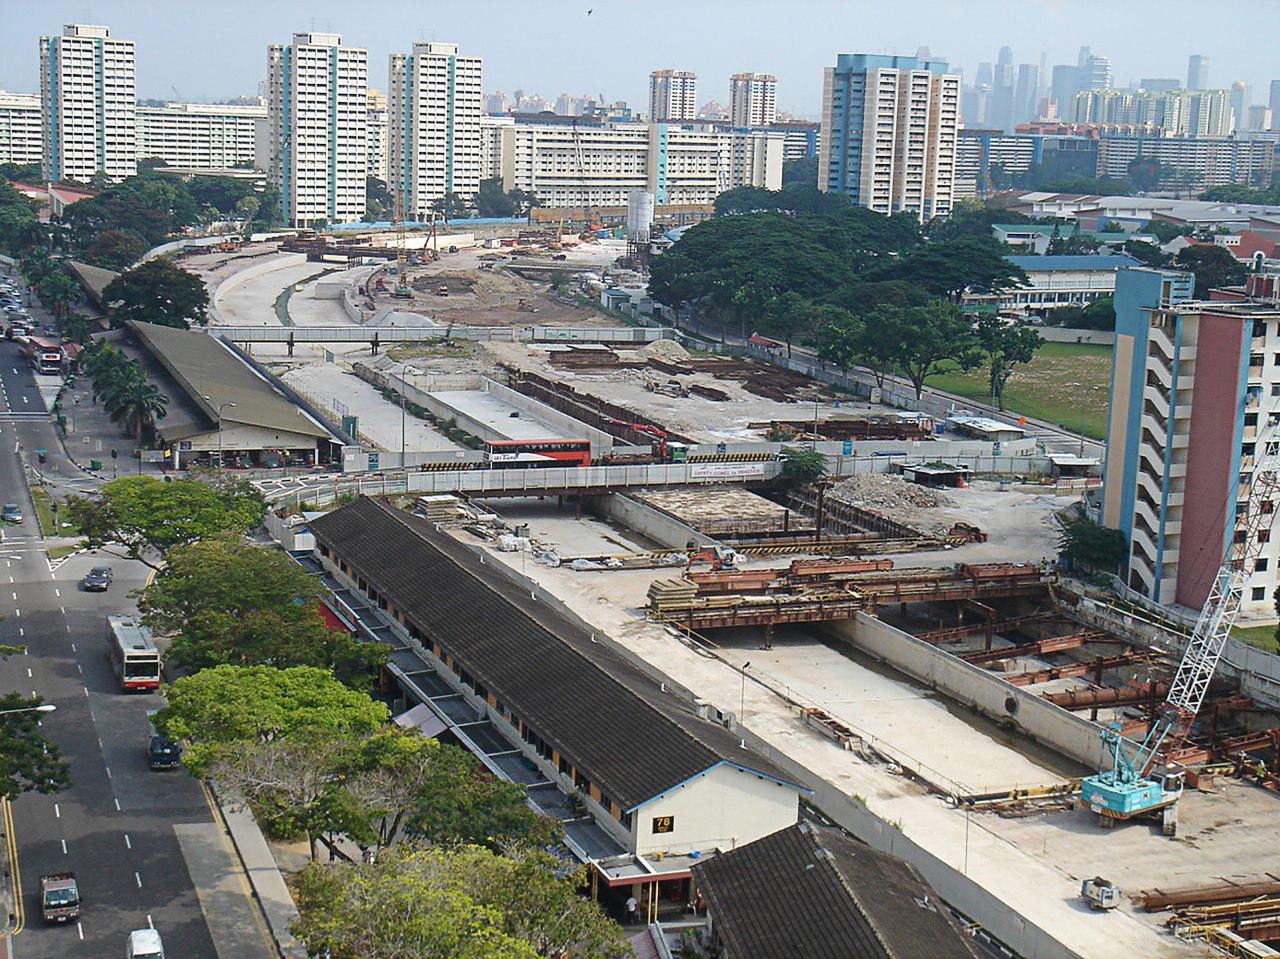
(644, 519)
(1072, 735)
(250, 273)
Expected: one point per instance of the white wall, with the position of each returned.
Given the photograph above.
(722, 809)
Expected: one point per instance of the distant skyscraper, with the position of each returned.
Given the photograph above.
(318, 112)
(1160, 84)
(88, 104)
(1005, 56)
(1274, 103)
(1063, 87)
(1197, 72)
(1026, 94)
(753, 99)
(376, 130)
(434, 137)
(495, 102)
(984, 75)
(1259, 117)
(913, 168)
(1241, 99)
(570, 106)
(673, 95)
(1095, 74)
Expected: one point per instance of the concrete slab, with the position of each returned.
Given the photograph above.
(502, 418)
(236, 927)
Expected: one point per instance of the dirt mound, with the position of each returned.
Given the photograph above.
(668, 350)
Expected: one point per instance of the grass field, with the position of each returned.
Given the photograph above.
(1066, 383)
(1264, 637)
(49, 525)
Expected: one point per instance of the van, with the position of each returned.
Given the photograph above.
(145, 944)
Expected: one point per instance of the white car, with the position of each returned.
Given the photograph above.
(145, 944)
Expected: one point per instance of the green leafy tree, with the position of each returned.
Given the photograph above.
(452, 206)
(802, 464)
(218, 196)
(1082, 542)
(152, 206)
(971, 218)
(464, 903)
(800, 171)
(28, 761)
(379, 204)
(492, 201)
(57, 290)
(1213, 266)
(157, 292)
(1147, 253)
(115, 249)
(138, 405)
(839, 337)
(1145, 173)
(228, 601)
(148, 517)
(1005, 346)
(1100, 314)
(77, 328)
(229, 705)
(1239, 193)
(919, 341)
(949, 268)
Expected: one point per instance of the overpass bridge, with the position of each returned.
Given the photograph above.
(377, 336)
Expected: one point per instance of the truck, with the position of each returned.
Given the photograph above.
(59, 897)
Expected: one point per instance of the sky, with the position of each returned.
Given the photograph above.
(216, 49)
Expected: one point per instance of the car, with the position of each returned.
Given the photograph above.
(144, 944)
(97, 580)
(163, 753)
(11, 513)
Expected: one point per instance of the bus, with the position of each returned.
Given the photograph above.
(133, 654)
(519, 453)
(44, 355)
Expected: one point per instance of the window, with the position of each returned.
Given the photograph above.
(1259, 592)
(1260, 566)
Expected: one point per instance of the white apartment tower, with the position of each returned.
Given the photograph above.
(889, 132)
(753, 99)
(21, 137)
(673, 96)
(318, 105)
(88, 100)
(434, 111)
(377, 133)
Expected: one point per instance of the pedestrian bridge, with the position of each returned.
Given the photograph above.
(376, 336)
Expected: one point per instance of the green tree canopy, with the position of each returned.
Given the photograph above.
(1147, 253)
(1004, 347)
(972, 218)
(1213, 267)
(115, 249)
(229, 705)
(157, 292)
(1083, 542)
(1097, 315)
(147, 516)
(801, 172)
(948, 268)
(802, 464)
(919, 341)
(464, 903)
(228, 601)
(28, 761)
(379, 204)
(151, 206)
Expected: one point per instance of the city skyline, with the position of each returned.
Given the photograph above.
(172, 66)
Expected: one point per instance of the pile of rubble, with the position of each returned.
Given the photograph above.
(668, 350)
(895, 497)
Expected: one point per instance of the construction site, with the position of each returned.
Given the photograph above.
(897, 636)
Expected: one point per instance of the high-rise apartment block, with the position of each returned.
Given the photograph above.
(434, 110)
(21, 137)
(1199, 113)
(673, 96)
(318, 114)
(202, 136)
(376, 131)
(889, 128)
(88, 103)
(1197, 72)
(1195, 386)
(753, 99)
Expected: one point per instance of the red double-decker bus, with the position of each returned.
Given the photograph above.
(44, 355)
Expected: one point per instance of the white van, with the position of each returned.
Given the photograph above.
(145, 944)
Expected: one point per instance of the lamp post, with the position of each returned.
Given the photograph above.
(42, 708)
(742, 696)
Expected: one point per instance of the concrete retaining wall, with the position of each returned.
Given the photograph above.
(601, 442)
(1069, 734)
(647, 521)
(249, 273)
(1063, 334)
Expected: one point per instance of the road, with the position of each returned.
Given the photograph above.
(144, 845)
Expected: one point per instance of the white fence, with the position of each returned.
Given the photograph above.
(421, 334)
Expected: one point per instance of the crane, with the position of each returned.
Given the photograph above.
(1133, 787)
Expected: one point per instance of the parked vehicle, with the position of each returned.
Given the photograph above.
(1100, 894)
(163, 753)
(98, 579)
(11, 513)
(59, 897)
(144, 944)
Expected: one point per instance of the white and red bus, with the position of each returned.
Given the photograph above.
(133, 655)
(44, 355)
(521, 453)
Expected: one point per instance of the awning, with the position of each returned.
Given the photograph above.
(423, 718)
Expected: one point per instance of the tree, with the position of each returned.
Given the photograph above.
(218, 196)
(802, 464)
(147, 516)
(972, 218)
(1083, 542)
(1212, 265)
(452, 206)
(465, 903)
(491, 201)
(228, 601)
(840, 335)
(57, 290)
(919, 341)
(787, 315)
(1145, 173)
(378, 202)
(230, 705)
(800, 171)
(1148, 254)
(1005, 346)
(139, 405)
(115, 249)
(949, 268)
(1097, 315)
(157, 292)
(28, 761)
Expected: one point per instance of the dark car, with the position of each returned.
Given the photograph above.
(11, 513)
(97, 580)
(163, 753)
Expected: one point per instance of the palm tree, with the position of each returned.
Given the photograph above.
(140, 405)
(58, 291)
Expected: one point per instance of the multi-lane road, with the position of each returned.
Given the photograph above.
(146, 846)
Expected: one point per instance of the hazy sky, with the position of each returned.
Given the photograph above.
(217, 48)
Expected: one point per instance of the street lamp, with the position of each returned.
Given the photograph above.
(42, 708)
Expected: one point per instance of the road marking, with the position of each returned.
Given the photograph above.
(73, 647)
(29, 676)
(57, 592)
(108, 769)
(80, 929)
(118, 809)
(15, 595)
(128, 844)
(64, 847)
(150, 924)
(63, 609)
(10, 835)
(57, 811)
(22, 631)
(79, 669)
(138, 880)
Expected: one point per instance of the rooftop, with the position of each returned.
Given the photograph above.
(811, 892)
(600, 712)
(1063, 262)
